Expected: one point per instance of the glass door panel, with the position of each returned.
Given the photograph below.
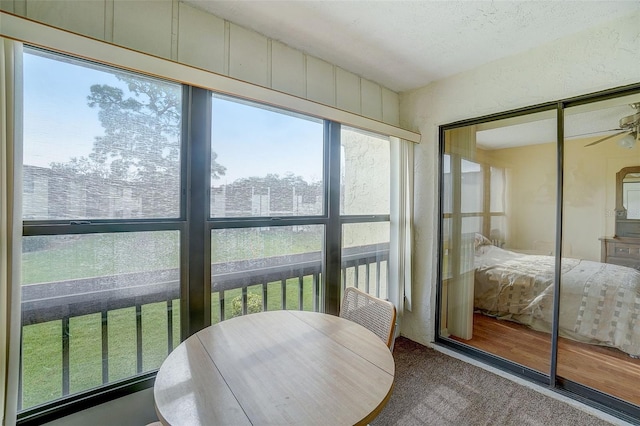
(499, 217)
(599, 341)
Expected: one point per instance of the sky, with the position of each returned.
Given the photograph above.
(253, 141)
(58, 123)
(249, 141)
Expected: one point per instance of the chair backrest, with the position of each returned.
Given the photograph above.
(376, 314)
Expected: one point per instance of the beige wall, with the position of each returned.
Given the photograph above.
(589, 193)
(531, 193)
(603, 57)
(173, 30)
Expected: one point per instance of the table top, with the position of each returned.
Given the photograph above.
(278, 367)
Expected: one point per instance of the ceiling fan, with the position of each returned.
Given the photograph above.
(629, 125)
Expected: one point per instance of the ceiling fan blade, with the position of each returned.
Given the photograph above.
(582, 135)
(606, 138)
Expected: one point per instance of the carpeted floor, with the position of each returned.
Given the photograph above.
(434, 389)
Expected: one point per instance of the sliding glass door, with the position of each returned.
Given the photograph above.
(599, 318)
(540, 244)
(498, 231)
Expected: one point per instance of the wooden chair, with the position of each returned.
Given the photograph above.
(376, 314)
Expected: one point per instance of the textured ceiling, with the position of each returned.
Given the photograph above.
(408, 44)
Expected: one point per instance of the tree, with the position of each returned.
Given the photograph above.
(141, 141)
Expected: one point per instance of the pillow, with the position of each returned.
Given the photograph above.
(481, 240)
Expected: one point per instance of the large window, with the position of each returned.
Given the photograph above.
(100, 294)
(153, 209)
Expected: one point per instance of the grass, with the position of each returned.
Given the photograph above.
(65, 257)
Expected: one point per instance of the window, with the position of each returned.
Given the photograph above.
(267, 170)
(100, 295)
(91, 134)
(265, 162)
(128, 208)
(365, 208)
(479, 184)
(366, 173)
(281, 264)
(94, 329)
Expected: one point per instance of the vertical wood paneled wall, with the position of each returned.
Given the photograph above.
(173, 30)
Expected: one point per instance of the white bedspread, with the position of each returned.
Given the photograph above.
(599, 302)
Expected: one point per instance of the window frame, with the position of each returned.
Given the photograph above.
(195, 245)
(80, 400)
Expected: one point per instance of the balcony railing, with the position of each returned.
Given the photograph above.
(363, 266)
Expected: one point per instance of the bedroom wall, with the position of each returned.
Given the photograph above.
(531, 195)
(590, 193)
(589, 196)
(173, 30)
(603, 57)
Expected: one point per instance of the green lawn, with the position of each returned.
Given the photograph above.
(65, 257)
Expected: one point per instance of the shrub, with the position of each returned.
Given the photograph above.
(254, 304)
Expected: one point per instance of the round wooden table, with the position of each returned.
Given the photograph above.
(279, 367)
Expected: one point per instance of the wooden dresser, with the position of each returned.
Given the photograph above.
(621, 251)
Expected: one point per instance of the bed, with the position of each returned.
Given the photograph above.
(599, 302)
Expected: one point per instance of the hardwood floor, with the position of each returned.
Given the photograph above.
(605, 369)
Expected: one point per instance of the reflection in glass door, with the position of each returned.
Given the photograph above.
(599, 322)
(499, 207)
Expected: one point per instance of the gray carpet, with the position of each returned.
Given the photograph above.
(432, 388)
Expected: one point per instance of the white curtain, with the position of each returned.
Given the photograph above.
(10, 224)
(400, 255)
